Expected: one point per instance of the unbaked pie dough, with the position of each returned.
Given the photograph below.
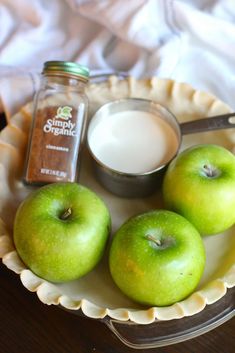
(96, 294)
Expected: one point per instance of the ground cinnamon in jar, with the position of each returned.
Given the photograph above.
(58, 124)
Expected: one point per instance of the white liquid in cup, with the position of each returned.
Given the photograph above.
(133, 141)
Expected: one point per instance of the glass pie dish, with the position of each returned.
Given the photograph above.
(95, 295)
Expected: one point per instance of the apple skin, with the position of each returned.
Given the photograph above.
(208, 202)
(151, 274)
(56, 249)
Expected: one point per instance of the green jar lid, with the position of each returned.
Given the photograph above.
(66, 67)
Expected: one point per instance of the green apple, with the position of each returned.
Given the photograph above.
(60, 231)
(157, 258)
(199, 184)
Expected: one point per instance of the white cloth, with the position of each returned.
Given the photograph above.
(189, 41)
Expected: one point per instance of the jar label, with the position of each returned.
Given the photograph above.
(55, 144)
(61, 123)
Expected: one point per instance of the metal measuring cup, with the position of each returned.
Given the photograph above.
(127, 184)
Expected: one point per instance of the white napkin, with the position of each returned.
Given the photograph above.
(189, 41)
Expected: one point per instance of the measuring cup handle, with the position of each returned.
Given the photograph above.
(225, 121)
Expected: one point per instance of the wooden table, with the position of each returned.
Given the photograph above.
(28, 326)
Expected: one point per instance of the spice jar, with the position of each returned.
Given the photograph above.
(59, 120)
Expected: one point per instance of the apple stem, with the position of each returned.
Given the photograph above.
(210, 171)
(66, 214)
(152, 238)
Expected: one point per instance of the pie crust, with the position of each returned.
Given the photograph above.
(96, 294)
